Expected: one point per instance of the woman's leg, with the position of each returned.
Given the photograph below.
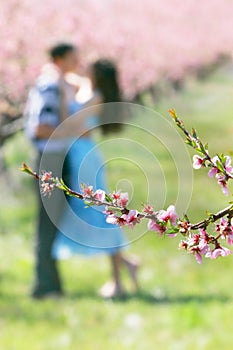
(114, 288)
(132, 264)
(116, 265)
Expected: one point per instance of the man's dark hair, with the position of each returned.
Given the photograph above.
(60, 50)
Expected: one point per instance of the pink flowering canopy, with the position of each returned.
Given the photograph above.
(148, 40)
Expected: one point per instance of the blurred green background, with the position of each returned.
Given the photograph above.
(181, 305)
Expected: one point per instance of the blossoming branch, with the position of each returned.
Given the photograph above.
(220, 165)
(165, 222)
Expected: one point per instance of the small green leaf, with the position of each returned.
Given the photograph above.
(194, 144)
(61, 185)
(202, 148)
(189, 142)
(194, 134)
(172, 230)
(220, 166)
(108, 198)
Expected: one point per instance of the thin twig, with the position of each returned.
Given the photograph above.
(213, 218)
(202, 224)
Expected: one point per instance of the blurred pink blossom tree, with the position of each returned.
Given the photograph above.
(148, 39)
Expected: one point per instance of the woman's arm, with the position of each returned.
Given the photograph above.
(44, 131)
(76, 124)
(72, 126)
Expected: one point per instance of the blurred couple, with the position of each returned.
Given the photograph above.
(65, 227)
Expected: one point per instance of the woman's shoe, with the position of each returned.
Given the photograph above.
(110, 290)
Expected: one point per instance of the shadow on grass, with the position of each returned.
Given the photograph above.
(156, 297)
(149, 298)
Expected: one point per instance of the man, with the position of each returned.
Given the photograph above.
(45, 109)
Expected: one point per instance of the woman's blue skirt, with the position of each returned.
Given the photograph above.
(83, 229)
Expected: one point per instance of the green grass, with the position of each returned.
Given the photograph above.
(182, 305)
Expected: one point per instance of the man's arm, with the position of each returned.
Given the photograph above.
(42, 112)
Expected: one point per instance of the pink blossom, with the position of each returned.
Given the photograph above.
(198, 162)
(226, 230)
(213, 172)
(194, 240)
(120, 199)
(200, 250)
(112, 219)
(230, 238)
(183, 245)
(153, 226)
(218, 251)
(228, 166)
(108, 211)
(131, 218)
(222, 182)
(46, 176)
(204, 235)
(116, 195)
(168, 215)
(47, 188)
(203, 247)
(123, 200)
(115, 220)
(198, 257)
(148, 209)
(87, 190)
(184, 227)
(99, 195)
(221, 226)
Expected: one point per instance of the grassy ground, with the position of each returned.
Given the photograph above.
(181, 305)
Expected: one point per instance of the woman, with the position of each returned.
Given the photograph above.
(85, 231)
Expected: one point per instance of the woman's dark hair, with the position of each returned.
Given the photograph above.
(60, 50)
(106, 81)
